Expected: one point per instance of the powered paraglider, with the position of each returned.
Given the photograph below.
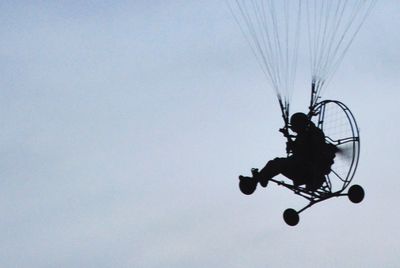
(273, 29)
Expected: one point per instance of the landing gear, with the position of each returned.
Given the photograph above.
(356, 194)
(291, 217)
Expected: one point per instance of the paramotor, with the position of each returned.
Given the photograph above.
(273, 29)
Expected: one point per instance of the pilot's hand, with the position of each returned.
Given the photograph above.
(284, 131)
(289, 146)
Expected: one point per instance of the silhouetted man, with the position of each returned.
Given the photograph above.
(309, 160)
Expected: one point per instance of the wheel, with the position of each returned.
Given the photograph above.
(291, 217)
(247, 186)
(356, 193)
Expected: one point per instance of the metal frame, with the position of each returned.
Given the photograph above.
(325, 191)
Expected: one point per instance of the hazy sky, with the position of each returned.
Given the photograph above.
(124, 126)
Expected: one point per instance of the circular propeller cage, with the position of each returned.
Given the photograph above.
(340, 128)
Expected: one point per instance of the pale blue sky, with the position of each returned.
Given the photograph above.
(125, 126)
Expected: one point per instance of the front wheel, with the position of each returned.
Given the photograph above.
(291, 217)
(247, 186)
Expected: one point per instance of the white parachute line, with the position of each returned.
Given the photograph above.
(281, 39)
(315, 34)
(269, 59)
(270, 42)
(342, 39)
(286, 57)
(266, 39)
(273, 46)
(312, 44)
(358, 15)
(287, 23)
(330, 39)
(312, 20)
(273, 29)
(293, 32)
(335, 24)
(295, 47)
(253, 43)
(293, 54)
(266, 35)
(318, 28)
(277, 42)
(324, 35)
(326, 54)
(310, 50)
(263, 48)
(340, 58)
(319, 34)
(287, 52)
(319, 55)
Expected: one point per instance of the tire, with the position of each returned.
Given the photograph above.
(247, 186)
(291, 217)
(356, 194)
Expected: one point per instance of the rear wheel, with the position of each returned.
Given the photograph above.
(356, 193)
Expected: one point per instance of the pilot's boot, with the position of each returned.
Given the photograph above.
(261, 179)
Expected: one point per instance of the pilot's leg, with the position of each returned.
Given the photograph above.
(273, 168)
(289, 167)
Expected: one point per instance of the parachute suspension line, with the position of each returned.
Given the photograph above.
(324, 61)
(310, 51)
(278, 46)
(268, 48)
(296, 41)
(363, 17)
(286, 46)
(320, 39)
(332, 27)
(272, 29)
(251, 37)
(268, 45)
(325, 36)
